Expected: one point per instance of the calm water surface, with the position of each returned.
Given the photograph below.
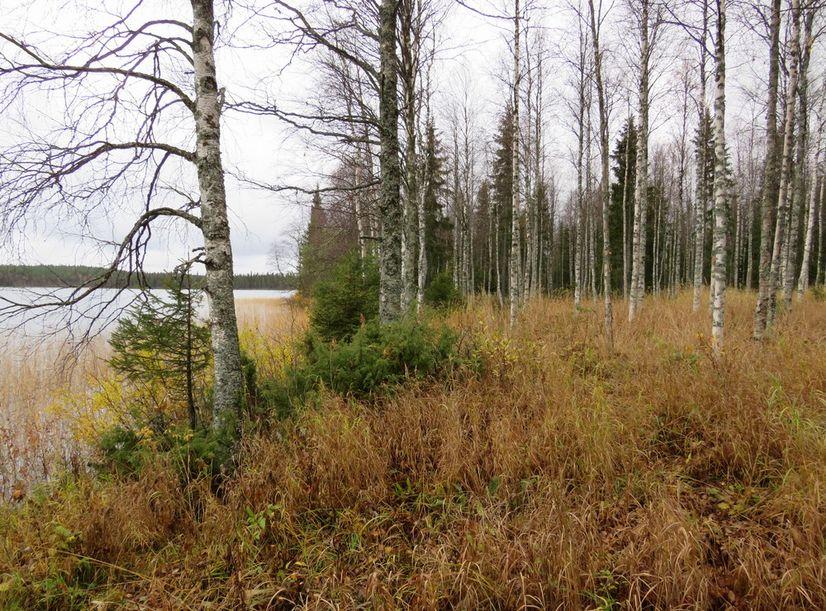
(93, 315)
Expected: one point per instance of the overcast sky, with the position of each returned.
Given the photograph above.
(473, 57)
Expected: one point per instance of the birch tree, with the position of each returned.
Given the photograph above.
(702, 188)
(108, 142)
(783, 194)
(648, 28)
(513, 287)
(605, 191)
(718, 276)
(768, 198)
(815, 197)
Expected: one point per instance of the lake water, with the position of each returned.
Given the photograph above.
(39, 368)
(36, 313)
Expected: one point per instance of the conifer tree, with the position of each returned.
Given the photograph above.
(161, 342)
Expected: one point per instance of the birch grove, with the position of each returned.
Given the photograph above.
(577, 165)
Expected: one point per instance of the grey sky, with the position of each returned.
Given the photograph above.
(474, 56)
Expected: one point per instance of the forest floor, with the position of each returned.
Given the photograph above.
(558, 475)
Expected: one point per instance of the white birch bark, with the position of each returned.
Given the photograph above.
(702, 188)
(811, 211)
(718, 276)
(605, 179)
(785, 169)
(227, 377)
(641, 188)
(390, 209)
(513, 288)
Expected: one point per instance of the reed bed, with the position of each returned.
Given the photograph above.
(44, 381)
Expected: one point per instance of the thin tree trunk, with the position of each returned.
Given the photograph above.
(605, 182)
(409, 237)
(390, 209)
(816, 195)
(718, 277)
(625, 185)
(228, 381)
(421, 280)
(702, 187)
(786, 169)
(641, 189)
(515, 207)
(768, 198)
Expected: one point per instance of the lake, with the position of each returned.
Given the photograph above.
(93, 315)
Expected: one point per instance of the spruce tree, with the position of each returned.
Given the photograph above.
(161, 342)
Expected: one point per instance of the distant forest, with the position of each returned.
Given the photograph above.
(73, 275)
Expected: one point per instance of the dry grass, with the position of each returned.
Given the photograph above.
(560, 477)
(37, 376)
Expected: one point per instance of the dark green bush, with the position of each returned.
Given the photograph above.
(347, 300)
(376, 358)
(380, 355)
(125, 451)
(441, 293)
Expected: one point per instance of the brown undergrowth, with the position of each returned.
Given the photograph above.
(557, 476)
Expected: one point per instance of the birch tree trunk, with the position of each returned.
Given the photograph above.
(625, 214)
(821, 247)
(409, 238)
(421, 280)
(589, 203)
(513, 288)
(800, 167)
(811, 212)
(605, 181)
(718, 276)
(227, 380)
(641, 188)
(538, 180)
(768, 198)
(702, 187)
(390, 210)
(783, 195)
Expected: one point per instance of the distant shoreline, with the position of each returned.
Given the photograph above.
(74, 276)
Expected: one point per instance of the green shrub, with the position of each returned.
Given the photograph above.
(160, 343)
(441, 293)
(347, 300)
(376, 358)
(380, 355)
(125, 451)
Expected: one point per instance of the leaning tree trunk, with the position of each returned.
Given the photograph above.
(641, 188)
(718, 275)
(228, 380)
(769, 181)
(390, 210)
(786, 168)
(513, 288)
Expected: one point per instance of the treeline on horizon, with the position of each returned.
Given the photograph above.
(19, 276)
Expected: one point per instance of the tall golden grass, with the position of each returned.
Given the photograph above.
(37, 375)
(561, 476)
